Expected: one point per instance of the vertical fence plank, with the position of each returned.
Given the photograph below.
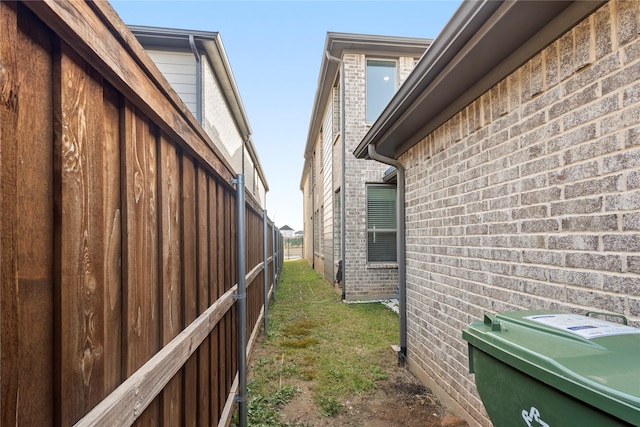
(189, 282)
(203, 256)
(9, 341)
(35, 221)
(140, 251)
(223, 272)
(269, 266)
(250, 244)
(233, 267)
(26, 218)
(229, 251)
(169, 193)
(80, 233)
(113, 240)
(258, 258)
(214, 293)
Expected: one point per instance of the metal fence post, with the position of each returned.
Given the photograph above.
(265, 221)
(275, 258)
(241, 297)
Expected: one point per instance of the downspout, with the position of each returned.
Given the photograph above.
(196, 53)
(313, 215)
(400, 247)
(241, 297)
(343, 192)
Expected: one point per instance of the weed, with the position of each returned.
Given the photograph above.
(262, 362)
(283, 395)
(289, 371)
(335, 374)
(329, 407)
(263, 409)
(378, 374)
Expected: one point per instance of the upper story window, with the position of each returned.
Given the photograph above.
(381, 85)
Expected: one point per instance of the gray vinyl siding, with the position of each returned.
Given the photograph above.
(179, 68)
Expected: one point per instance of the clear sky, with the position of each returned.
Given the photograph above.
(275, 49)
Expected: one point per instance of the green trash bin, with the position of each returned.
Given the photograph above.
(551, 369)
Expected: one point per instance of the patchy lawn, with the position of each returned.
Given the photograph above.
(326, 363)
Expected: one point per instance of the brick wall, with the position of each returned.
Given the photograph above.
(363, 280)
(528, 199)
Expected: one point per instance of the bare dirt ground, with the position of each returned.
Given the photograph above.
(399, 400)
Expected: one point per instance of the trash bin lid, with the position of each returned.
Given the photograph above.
(591, 359)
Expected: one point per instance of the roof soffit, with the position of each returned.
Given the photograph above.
(481, 45)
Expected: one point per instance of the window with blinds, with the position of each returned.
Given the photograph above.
(381, 223)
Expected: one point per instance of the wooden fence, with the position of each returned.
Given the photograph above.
(118, 233)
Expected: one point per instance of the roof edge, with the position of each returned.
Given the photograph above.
(429, 97)
(211, 43)
(336, 44)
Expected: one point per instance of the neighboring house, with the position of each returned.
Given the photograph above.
(341, 192)
(518, 133)
(287, 232)
(195, 64)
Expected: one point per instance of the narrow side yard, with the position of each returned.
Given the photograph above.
(326, 363)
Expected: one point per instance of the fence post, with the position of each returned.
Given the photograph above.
(241, 296)
(281, 252)
(275, 258)
(265, 221)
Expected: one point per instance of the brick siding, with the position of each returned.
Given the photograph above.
(528, 198)
(363, 280)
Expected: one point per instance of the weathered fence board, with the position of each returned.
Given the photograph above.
(117, 233)
(171, 269)
(216, 273)
(113, 237)
(189, 280)
(26, 155)
(204, 295)
(124, 405)
(140, 253)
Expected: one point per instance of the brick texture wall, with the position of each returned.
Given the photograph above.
(363, 281)
(529, 198)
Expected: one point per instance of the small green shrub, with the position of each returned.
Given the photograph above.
(264, 410)
(329, 407)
